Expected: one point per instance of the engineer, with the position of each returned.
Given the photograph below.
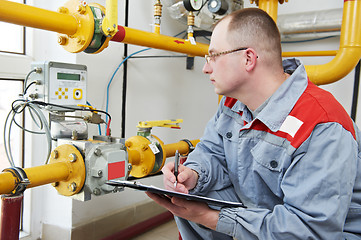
(278, 143)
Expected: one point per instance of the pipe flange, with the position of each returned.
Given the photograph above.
(70, 155)
(79, 41)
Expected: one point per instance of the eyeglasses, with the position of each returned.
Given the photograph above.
(211, 57)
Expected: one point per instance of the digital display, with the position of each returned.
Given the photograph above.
(68, 76)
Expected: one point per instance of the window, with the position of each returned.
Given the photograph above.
(9, 91)
(14, 39)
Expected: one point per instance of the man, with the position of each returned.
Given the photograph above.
(278, 143)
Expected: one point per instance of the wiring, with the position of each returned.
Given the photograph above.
(27, 77)
(309, 40)
(35, 108)
(18, 107)
(99, 128)
(116, 70)
(26, 89)
(111, 79)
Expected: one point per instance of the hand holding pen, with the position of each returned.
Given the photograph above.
(176, 167)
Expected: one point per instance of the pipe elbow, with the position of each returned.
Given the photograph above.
(343, 63)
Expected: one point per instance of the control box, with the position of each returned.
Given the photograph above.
(60, 83)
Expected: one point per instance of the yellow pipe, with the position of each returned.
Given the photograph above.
(159, 41)
(269, 6)
(41, 175)
(349, 52)
(110, 21)
(309, 53)
(181, 146)
(30, 16)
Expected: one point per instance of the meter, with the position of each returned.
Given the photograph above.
(60, 83)
(193, 5)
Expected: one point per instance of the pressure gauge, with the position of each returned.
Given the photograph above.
(193, 5)
(219, 7)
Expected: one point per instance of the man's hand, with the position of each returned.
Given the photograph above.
(197, 212)
(187, 178)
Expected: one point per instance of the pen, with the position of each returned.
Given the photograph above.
(176, 165)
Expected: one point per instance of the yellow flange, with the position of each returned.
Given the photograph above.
(79, 41)
(140, 156)
(70, 155)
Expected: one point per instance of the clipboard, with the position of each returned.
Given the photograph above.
(146, 188)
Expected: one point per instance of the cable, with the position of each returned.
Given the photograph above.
(309, 40)
(124, 85)
(111, 79)
(18, 106)
(26, 89)
(72, 108)
(99, 128)
(27, 77)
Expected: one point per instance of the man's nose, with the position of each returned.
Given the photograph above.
(207, 68)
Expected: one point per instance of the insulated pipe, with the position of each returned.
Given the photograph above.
(349, 52)
(30, 16)
(10, 217)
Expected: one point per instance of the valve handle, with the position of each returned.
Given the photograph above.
(172, 123)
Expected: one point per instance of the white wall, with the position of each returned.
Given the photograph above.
(158, 88)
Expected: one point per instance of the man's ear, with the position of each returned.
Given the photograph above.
(251, 59)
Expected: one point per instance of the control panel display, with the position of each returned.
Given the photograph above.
(62, 83)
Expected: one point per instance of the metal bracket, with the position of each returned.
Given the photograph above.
(22, 180)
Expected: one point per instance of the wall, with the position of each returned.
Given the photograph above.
(158, 88)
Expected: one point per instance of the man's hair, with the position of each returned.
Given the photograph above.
(253, 27)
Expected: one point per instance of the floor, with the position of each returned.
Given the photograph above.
(167, 231)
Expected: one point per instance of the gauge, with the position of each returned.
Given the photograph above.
(218, 6)
(193, 5)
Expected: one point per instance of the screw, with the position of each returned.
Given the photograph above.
(96, 191)
(55, 154)
(80, 40)
(130, 167)
(81, 9)
(97, 152)
(100, 173)
(63, 10)
(72, 157)
(122, 147)
(55, 184)
(128, 144)
(62, 40)
(72, 186)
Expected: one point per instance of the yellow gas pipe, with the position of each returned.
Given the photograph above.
(110, 21)
(30, 16)
(269, 6)
(346, 58)
(66, 168)
(349, 52)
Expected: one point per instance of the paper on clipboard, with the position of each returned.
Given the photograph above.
(146, 188)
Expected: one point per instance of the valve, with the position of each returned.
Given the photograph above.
(146, 152)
